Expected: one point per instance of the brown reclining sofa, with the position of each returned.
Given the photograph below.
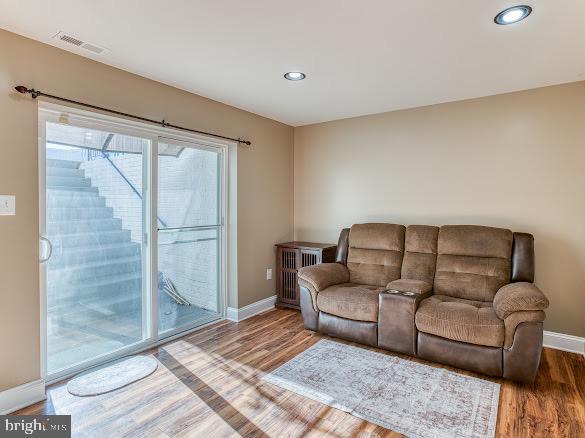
(462, 295)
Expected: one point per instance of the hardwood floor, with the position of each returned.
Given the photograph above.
(208, 384)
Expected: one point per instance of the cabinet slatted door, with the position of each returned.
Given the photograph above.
(309, 258)
(288, 276)
(292, 256)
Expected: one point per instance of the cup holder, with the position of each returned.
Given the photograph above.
(397, 292)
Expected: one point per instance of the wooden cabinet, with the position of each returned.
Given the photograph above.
(290, 257)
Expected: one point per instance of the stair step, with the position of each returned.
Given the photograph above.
(65, 171)
(89, 225)
(63, 163)
(67, 257)
(72, 189)
(110, 306)
(88, 311)
(93, 271)
(126, 286)
(67, 181)
(75, 199)
(127, 303)
(91, 238)
(59, 214)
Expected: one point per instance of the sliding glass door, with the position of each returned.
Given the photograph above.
(189, 225)
(132, 239)
(94, 223)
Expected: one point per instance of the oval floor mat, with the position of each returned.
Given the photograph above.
(112, 376)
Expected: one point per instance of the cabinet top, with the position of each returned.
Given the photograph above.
(313, 245)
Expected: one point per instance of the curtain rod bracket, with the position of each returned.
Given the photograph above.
(36, 93)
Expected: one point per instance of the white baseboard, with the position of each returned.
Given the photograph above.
(560, 341)
(21, 396)
(250, 310)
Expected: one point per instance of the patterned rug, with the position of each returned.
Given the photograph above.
(414, 399)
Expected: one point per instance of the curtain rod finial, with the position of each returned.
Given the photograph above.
(23, 90)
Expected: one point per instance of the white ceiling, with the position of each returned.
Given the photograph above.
(360, 57)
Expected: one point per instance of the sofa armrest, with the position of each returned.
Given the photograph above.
(406, 285)
(518, 297)
(513, 320)
(323, 275)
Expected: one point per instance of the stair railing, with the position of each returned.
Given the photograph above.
(91, 154)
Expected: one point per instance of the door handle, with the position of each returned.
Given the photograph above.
(50, 250)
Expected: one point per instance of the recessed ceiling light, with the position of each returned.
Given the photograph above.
(513, 15)
(294, 76)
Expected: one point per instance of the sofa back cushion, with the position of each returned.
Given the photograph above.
(375, 253)
(473, 262)
(420, 253)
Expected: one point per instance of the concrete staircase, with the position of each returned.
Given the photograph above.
(95, 264)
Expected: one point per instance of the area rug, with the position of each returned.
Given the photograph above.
(411, 398)
(112, 376)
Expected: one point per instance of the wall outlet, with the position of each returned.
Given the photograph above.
(268, 274)
(7, 205)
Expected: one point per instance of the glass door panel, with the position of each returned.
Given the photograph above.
(94, 218)
(189, 233)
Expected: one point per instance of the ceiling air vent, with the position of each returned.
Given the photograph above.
(66, 38)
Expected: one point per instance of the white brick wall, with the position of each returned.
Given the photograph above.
(187, 196)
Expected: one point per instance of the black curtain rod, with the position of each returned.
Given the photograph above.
(36, 93)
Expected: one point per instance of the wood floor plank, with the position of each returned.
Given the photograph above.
(209, 383)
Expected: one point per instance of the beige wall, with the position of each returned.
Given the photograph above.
(265, 178)
(515, 160)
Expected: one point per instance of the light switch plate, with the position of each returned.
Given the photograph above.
(269, 274)
(7, 205)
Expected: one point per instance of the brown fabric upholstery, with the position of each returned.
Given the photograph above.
(405, 285)
(523, 258)
(308, 308)
(522, 360)
(323, 275)
(357, 331)
(475, 241)
(352, 301)
(473, 262)
(312, 292)
(420, 252)
(518, 297)
(516, 318)
(396, 328)
(375, 253)
(473, 278)
(461, 320)
(318, 277)
(479, 358)
(342, 247)
(388, 237)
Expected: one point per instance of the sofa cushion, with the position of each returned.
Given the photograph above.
(375, 253)
(352, 301)
(420, 252)
(473, 262)
(474, 322)
(475, 241)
